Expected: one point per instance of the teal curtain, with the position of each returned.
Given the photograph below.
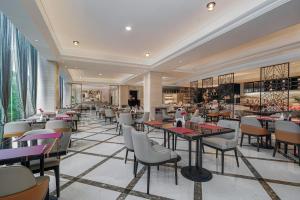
(22, 67)
(34, 67)
(6, 30)
(18, 74)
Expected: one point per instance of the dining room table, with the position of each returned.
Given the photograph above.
(191, 132)
(17, 152)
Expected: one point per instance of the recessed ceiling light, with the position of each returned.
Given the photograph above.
(147, 54)
(128, 28)
(76, 43)
(100, 74)
(211, 5)
(36, 40)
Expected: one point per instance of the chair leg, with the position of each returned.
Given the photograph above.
(134, 165)
(242, 137)
(120, 129)
(236, 157)
(57, 182)
(203, 149)
(275, 148)
(157, 167)
(249, 139)
(175, 142)
(148, 179)
(176, 177)
(257, 138)
(117, 127)
(285, 148)
(299, 153)
(216, 153)
(222, 162)
(126, 155)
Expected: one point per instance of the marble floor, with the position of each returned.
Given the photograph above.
(94, 169)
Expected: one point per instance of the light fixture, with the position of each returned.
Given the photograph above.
(36, 40)
(100, 74)
(128, 28)
(147, 54)
(211, 5)
(76, 43)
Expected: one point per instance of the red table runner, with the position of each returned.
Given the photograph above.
(181, 130)
(210, 126)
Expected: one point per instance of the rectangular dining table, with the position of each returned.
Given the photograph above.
(11, 154)
(191, 132)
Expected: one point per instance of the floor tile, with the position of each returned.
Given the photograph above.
(105, 148)
(286, 191)
(79, 191)
(99, 137)
(78, 163)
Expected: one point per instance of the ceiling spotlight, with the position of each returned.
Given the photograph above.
(36, 40)
(76, 43)
(100, 74)
(128, 28)
(147, 54)
(211, 5)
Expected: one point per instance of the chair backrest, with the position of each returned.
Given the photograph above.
(197, 119)
(232, 125)
(108, 112)
(250, 121)
(13, 129)
(144, 150)
(142, 147)
(125, 118)
(127, 136)
(146, 116)
(58, 125)
(26, 186)
(287, 126)
(9, 175)
(196, 113)
(164, 113)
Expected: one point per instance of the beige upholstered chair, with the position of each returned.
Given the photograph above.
(18, 183)
(225, 142)
(58, 149)
(287, 132)
(15, 129)
(59, 126)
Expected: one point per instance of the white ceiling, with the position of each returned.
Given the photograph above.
(181, 36)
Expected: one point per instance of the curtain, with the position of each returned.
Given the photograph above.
(6, 30)
(22, 66)
(34, 63)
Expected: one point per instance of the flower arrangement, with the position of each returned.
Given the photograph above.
(184, 113)
(41, 110)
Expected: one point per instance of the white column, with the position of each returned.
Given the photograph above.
(123, 95)
(152, 92)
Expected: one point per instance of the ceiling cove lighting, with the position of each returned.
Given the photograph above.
(76, 43)
(128, 28)
(211, 5)
(147, 54)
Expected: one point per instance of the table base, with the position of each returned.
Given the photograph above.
(196, 174)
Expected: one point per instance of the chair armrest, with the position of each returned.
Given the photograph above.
(253, 130)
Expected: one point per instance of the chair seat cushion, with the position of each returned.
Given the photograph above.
(162, 149)
(220, 143)
(140, 120)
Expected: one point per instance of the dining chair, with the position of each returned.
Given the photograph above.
(51, 163)
(59, 126)
(252, 127)
(140, 122)
(178, 113)
(225, 142)
(151, 155)
(109, 114)
(287, 132)
(15, 129)
(165, 115)
(18, 182)
(125, 119)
